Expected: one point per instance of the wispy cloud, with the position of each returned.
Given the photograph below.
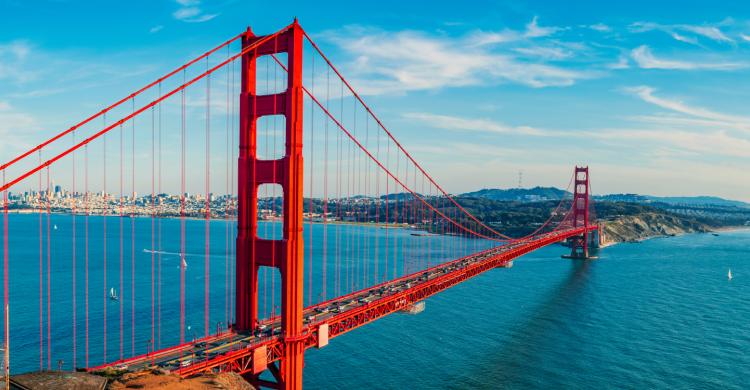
(643, 56)
(685, 39)
(622, 63)
(191, 12)
(601, 27)
(156, 29)
(646, 94)
(12, 62)
(395, 62)
(448, 122)
(679, 31)
(716, 142)
(544, 52)
(534, 30)
(14, 124)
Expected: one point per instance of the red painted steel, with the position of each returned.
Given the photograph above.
(300, 327)
(241, 361)
(286, 254)
(580, 245)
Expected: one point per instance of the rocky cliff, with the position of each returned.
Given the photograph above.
(634, 228)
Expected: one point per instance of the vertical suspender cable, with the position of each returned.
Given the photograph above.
(228, 196)
(153, 228)
(121, 212)
(6, 307)
(74, 199)
(311, 209)
(41, 271)
(86, 233)
(104, 245)
(325, 190)
(132, 236)
(207, 232)
(158, 271)
(49, 277)
(182, 215)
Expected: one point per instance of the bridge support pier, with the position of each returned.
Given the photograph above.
(285, 255)
(580, 245)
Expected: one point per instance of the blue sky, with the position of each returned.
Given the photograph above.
(652, 95)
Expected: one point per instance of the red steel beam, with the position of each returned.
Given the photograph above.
(240, 361)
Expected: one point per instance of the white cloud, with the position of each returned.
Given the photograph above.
(745, 37)
(448, 122)
(600, 27)
(622, 63)
(14, 124)
(397, 62)
(155, 29)
(185, 13)
(683, 38)
(706, 31)
(190, 12)
(643, 56)
(13, 56)
(533, 30)
(703, 143)
(646, 94)
(550, 53)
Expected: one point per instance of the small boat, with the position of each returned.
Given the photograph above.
(715, 234)
(113, 294)
(729, 274)
(55, 227)
(184, 263)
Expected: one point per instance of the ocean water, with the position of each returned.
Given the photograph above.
(659, 314)
(42, 276)
(655, 315)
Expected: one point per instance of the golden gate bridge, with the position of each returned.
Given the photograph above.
(328, 223)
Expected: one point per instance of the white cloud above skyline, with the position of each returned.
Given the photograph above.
(384, 62)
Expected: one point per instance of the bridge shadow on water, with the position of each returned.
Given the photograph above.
(520, 361)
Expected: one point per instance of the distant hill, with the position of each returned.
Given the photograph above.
(551, 193)
(518, 194)
(674, 200)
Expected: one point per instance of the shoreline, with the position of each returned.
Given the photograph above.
(218, 219)
(723, 229)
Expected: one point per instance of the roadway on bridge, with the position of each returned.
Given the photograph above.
(202, 351)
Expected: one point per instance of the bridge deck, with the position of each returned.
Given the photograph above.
(235, 351)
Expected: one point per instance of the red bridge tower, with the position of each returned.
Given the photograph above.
(580, 244)
(286, 254)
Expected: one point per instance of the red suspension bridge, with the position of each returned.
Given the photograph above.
(247, 248)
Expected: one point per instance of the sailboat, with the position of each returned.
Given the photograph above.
(184, 263)
(113, 294)
(729, 274)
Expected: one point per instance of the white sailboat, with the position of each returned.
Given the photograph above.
(729, 274)
(113, 294)
(184, 263)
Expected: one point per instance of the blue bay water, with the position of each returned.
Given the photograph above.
(366, 255)
(660, 314)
